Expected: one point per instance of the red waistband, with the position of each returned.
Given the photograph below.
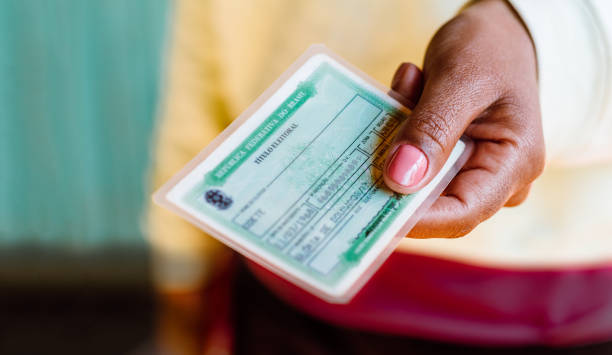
(416, 295)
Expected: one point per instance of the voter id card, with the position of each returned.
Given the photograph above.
(295, 183)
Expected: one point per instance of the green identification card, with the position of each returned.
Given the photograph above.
(296, 182)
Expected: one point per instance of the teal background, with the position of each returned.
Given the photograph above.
(79, 87)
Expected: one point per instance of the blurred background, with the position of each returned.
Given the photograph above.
(101, 101)
(79, 88)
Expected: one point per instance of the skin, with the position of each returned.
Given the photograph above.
(479, 79)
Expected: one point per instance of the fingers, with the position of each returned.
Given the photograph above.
(480, 189)
(478, 80)
(407, 84)
(518, 197)
(449, 102)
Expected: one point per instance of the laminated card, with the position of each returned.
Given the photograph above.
(295, 183)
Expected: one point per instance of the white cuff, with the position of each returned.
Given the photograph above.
(574, 71)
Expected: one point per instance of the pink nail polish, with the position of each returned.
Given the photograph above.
(407, 165)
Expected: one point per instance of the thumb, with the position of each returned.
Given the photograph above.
(424, 141)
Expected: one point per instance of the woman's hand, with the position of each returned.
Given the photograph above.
(479, 79)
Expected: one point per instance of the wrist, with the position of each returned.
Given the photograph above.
(503, 24)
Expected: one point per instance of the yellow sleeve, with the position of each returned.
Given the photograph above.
(192, 113)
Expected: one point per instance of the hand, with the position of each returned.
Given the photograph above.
(479, 79)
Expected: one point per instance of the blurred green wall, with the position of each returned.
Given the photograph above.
(79, 84)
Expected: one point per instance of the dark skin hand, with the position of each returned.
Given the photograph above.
(479, 79)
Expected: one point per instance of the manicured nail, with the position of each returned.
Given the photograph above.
(407, 165)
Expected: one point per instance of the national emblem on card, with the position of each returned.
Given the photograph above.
(218, 199)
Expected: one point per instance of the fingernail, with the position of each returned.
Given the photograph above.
(399, 75)
(408, 82)
(407, 165)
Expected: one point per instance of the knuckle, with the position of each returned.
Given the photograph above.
(434, 126)
(533, 157)
(516, 200)
(466, 222)
(526, 138)
(539, 158)
(463, 228)
(453, 35)
(489, 209)
(482, 209)
(536, 146)
(538, 164)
